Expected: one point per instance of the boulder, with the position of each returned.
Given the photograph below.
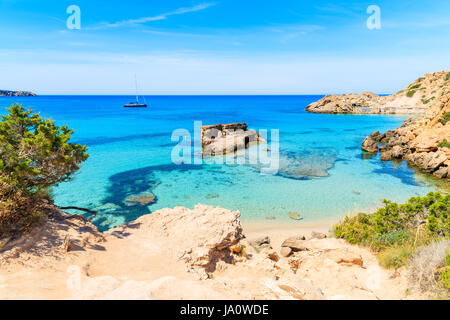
(295, 244)
(369, 145)
(442, 172)
(376, 136)
(285, 251)
(397, 152)
(318, 235)
(432, 160)
(260, 242)
(201, 237)
(386, 156)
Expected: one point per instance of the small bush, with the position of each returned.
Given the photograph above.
(445, 118)
(415, 86)
(447, 77)
(396, 229)
(410, 93)
(395, 257)
(444, 144)
(425, 101)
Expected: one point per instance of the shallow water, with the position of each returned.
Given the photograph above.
(323, 173)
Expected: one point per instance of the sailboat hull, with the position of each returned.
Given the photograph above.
(135, 105)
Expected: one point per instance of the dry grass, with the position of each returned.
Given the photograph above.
(425, 263)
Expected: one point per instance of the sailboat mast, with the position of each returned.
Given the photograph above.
(135, 82)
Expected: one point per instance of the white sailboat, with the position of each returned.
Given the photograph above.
(136, 104)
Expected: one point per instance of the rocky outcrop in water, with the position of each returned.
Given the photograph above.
(222, 139)
(424, 141)
(8, 93)
(420, 97)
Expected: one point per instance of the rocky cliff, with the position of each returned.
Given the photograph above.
(420, 97)
(8, 93)
(423, 141)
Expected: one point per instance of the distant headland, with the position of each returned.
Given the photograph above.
(9, 93)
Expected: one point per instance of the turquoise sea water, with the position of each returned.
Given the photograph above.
(130, 153)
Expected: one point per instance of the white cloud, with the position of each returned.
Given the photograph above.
(163, 16)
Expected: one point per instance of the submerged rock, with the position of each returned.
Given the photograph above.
(143, 199)
(294, 215)
(306, 164)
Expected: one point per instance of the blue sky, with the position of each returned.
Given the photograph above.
(221, 47)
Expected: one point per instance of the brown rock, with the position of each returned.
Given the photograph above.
(386, 156)
(442, 172)
(259, 242)
(376, 136)
(369, 145)
(272, 255)
(285, 251)
(345, 257)
(236, 249)
(318, 235)
(397, 152)
(433, 160)
(295, 244)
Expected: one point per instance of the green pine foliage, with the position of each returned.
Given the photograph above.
(35, 154)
